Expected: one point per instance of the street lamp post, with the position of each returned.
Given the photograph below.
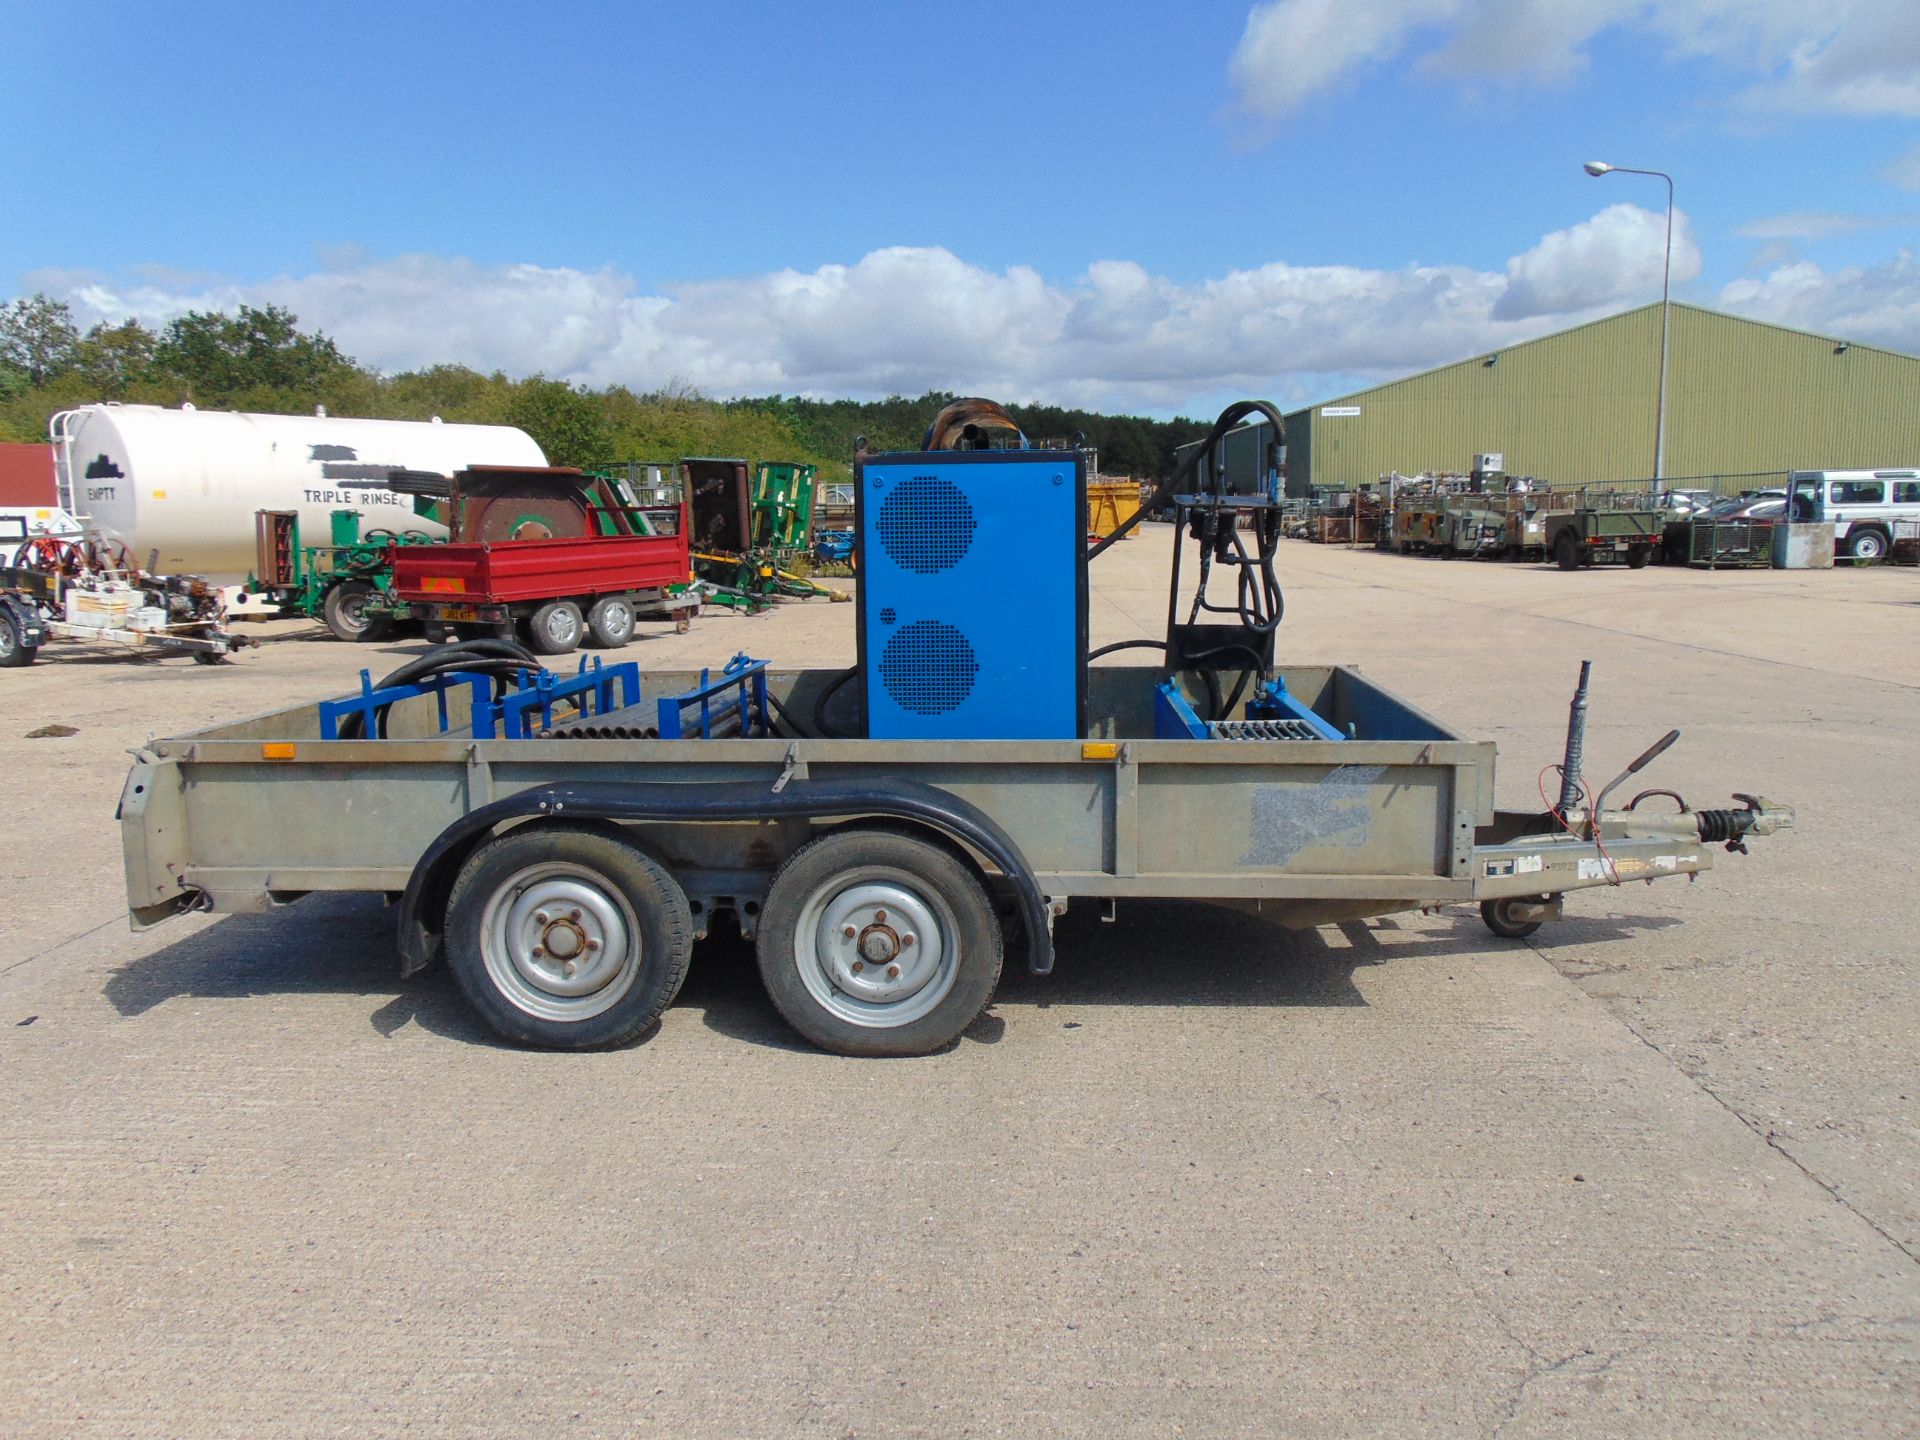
(1598, 168)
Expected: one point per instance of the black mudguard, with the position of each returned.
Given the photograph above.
(424, 903)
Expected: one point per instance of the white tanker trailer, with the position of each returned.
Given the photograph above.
(185, 483)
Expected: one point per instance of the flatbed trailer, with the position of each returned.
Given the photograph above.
(565, 879)
(1629, 534)
(122, 609)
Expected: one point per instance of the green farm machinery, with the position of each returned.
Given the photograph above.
(751, 530)
(346, 584)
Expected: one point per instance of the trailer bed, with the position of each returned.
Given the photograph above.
(669, 833)
(1313, 829)
(505, 572)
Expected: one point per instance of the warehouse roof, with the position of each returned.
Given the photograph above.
(1558, 335)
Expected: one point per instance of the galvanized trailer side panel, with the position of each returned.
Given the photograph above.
(249, 814)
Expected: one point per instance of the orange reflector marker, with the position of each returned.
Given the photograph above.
(444, 584)
(277, 750)
(1100, 750)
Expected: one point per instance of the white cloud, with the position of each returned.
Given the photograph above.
(1875, 304)
(1859, 57)
(1615, 257)
(1850, 57)
(910, 319)
(1292, 50)
(1525, 39)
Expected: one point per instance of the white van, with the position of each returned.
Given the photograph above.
(1862, 504)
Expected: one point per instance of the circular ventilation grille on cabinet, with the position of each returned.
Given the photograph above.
(926, 525)
(928, 668)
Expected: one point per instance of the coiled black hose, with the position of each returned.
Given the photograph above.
(832, 688)
(501, 659)
(799, 730)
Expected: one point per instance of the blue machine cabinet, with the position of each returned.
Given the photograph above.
(973, 594)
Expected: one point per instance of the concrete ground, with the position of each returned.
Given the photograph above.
(1653, 1172)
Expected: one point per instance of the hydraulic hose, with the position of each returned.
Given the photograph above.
(832, 688)
(1183, 472)
(501, 659)
(799, 731)
(1215, 710)
(1259, 603)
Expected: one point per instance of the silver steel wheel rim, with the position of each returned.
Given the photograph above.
(353, 610)
(617, 619)
(560, 943)
(1867, 547)
(561, 627)
(7, 641)
(876, 976)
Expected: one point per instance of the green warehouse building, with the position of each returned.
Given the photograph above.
(1746, 402)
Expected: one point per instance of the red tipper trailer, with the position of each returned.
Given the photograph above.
(559, 591)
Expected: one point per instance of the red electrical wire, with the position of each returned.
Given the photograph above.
(1553, 809)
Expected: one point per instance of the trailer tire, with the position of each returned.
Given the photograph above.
(1500, 919)
(555, 628)
(1566, 551)
(14, 653)
(345, 613)
(610, 622)
(627, 932)
(917, 986)
(1638, 556)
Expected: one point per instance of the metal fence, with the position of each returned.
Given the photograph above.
(1730, 544)
(1906, 543)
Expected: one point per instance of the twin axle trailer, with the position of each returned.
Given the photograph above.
(887, 834)
(566, 873)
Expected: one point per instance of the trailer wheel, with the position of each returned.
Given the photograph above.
(567, 938)
(555, 628)
(1566, 551)
(345, 613)
(1637, 556)
(12, 652)
(876, 943)
(611, 622)
(1501, 920)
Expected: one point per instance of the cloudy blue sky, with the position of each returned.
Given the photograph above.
(1130, 205)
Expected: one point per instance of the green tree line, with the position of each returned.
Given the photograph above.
(261, 360)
